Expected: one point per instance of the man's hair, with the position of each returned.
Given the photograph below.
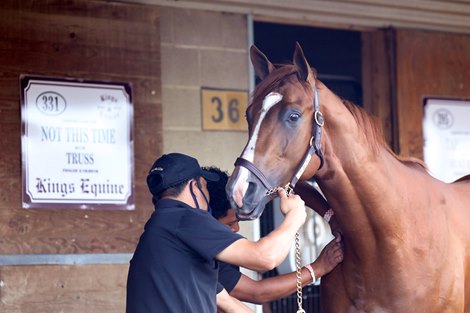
(218, 198)
(173, 191)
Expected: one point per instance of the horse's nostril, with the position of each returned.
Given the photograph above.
(250, 193)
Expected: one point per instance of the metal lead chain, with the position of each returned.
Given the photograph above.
(298, 272)
(272, 190)
(288, 188)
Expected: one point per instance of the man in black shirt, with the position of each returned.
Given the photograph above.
(174, 267)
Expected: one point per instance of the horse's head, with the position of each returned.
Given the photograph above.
(284, 126)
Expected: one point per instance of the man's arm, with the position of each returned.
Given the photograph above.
(274, 288)
(228, 304)
(271, 250)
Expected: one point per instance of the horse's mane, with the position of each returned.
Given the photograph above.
(372, 132)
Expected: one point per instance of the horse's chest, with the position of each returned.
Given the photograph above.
(380, 291)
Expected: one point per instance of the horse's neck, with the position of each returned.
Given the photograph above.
(357, 177)
(363, 206)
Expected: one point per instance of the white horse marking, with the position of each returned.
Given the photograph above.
(248, 154)
(269, 101)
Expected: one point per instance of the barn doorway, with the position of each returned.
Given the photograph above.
(336, 54)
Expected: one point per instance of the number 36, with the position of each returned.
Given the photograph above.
(232, 110)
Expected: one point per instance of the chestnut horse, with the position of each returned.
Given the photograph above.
(406, 234)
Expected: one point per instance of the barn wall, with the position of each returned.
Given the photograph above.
(202, 49)
(92, 40)
(376, 82)
(61, 288)
(428, 64)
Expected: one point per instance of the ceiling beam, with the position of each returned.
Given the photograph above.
(438, 15)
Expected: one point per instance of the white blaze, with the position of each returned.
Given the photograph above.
(269, 101)
(239, 190)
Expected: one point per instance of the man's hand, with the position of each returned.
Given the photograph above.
(292, 205)
(330, 256)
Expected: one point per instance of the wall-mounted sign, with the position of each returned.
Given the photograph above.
(77, 144)
(446, 131)
(223, 109)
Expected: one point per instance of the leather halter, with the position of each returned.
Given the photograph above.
(315, 146)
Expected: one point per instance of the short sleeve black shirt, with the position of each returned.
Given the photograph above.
(229, 275)
(174, 268)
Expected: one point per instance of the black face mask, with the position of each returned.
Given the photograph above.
(209, 209)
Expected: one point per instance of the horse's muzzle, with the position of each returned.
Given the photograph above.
(248, 213)
(247, 198)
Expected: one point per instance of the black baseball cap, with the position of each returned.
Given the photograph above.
(174, 168)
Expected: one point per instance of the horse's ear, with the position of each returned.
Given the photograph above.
(301, 62)
(260, 62)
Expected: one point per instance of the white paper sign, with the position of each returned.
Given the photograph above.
(446, 130)
(77, 144)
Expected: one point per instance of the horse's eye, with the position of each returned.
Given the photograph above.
(294, 117)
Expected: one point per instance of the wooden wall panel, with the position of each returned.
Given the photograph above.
(94, 40)
(57, 289)
(376, 82)
(428, 64)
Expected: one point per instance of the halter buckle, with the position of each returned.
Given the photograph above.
(319, 118)
(289, 189)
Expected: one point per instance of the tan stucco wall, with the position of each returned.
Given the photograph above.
(209, 49)
(199, 49)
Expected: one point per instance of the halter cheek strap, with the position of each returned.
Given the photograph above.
(315, 147)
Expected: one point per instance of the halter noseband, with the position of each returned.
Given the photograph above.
(314, 147)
